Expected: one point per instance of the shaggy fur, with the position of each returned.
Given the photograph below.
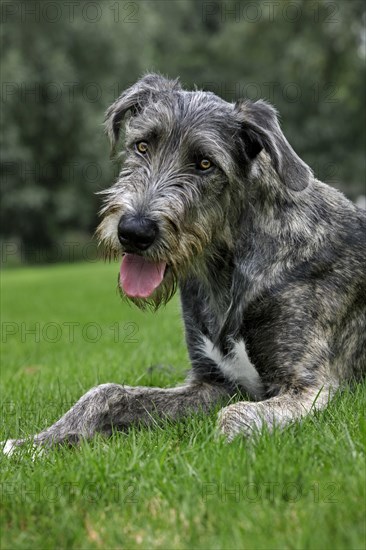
(270, 263)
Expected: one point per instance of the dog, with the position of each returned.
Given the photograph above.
(269, 261)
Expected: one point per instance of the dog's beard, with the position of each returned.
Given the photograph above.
(183, 253)
(166, 289)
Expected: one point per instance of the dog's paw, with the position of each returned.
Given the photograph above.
(238, 419)
(36, 446)
(28, 447)
(9, 446)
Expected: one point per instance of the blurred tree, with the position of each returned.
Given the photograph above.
(62, 68)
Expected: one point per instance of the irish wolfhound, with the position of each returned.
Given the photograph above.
(269, 261)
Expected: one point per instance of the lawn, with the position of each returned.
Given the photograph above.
(64, 330)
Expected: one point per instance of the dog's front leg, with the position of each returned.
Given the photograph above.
(112, 406)
(247, 417)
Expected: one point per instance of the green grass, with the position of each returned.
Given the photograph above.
(172, 487)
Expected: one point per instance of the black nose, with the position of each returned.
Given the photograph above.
(136, 232)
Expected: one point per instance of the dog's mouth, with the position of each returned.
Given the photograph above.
(140, 277)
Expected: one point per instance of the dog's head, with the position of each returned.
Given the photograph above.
(179, 195)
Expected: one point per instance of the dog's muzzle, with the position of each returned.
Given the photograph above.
(139, 276)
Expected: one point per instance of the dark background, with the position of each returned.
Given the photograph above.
(64, 62)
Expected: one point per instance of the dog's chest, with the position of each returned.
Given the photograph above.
(236, 366)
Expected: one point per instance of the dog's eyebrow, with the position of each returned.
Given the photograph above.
(141, 134)
(209, 147)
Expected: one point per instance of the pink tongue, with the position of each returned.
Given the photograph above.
(139, 277)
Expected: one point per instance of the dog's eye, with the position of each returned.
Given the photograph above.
(204, 164)
(141, 147)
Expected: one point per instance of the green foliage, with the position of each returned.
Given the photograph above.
(59, 74)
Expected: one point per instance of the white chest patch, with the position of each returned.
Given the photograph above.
(236, 367)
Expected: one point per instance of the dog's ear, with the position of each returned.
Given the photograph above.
(133, 100)
(261, 130)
